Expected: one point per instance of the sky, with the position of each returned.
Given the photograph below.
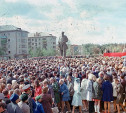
(83, 21)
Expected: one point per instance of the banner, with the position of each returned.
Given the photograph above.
(114, 54)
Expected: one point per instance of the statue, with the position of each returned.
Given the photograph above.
(62, 44)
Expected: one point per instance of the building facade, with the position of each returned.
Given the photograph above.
(76, 50)
(41, 40)
(14, 40)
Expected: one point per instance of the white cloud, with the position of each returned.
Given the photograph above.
(55, 12)
(84, 14)
(12, 0)
(71, 4)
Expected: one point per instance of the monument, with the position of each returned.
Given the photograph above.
(62, 44)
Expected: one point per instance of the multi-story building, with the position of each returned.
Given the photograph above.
(14, 41)
(76, 49)
(41, 40)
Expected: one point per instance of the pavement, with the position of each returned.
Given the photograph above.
(111, 110)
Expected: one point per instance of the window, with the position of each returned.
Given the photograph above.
(29, 40)
(9, 52)
(23, 34)
(35, 44)
(23, 40)
(35, 40)
(24, 51)
(32, 39)
(8, 40)
(54, 46)
(24, 46)
(54, 42)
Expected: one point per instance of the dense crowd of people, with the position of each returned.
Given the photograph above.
(58, 85)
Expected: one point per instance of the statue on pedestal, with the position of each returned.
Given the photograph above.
(62, 44)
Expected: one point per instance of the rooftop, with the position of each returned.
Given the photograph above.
(9, 28)
(41, 34)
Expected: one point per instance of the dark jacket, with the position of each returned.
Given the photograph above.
(39, 108)
(47, 103)
(13, 108)
(107, 91)
(32, 105)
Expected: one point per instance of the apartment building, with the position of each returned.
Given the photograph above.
(41, 40)
(14, 41)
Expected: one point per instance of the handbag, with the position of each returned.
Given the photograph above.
(55, 109)
(124, 103)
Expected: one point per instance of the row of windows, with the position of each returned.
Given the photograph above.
(38, 39)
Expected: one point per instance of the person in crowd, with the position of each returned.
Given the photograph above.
(38, 89)
(39, 107)
(114, 85)
(77, 100)
(107, 96)
(97, 94)
(56, 89)
(64, 95)
(84, 93)
(23, 103)
(50, 89)
(31, 102)
(6, 99)
(13, 106)
(70, 86)
(46, 100)
(120, 96)
(17, 74)
(90, 91)
(2, 107)
(10, 78)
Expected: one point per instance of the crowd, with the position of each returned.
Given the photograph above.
(58, 85)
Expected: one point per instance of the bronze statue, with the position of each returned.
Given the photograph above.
(62, 44)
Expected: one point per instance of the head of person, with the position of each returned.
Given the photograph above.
(27, 89)
(38, 98)
(14, 98)
(2, 107)
(54, 73)
(36, 83)
(5, 92)
(24, 97)
(106, 77)
(62, 33)
(45, 90)
(61, 81)
(115, 80)
(90, 76)
(52, 80)
(1, 97)
(75, 74)
(17, 91)
(45, 83)
(98, 80)
(101, 74)
(94, 78)
(69, 78)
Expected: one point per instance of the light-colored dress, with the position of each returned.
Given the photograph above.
(77, 100)
(89, 89)
(83, 89)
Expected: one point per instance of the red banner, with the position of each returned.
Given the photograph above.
(114, 54)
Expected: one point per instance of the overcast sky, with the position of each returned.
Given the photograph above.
(84, 21)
